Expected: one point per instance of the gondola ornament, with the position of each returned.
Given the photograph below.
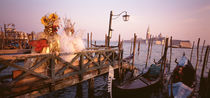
(110, 78)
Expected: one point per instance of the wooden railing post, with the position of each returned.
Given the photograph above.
(79, 93)
(99, 61)
(52, 72)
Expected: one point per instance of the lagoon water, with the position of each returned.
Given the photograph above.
(100, 89)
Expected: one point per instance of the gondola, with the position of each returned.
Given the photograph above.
(139, 86)
(183, 79)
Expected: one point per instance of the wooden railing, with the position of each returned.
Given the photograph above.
(47, 70)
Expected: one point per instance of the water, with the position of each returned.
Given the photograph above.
(100, 88)
(100, 83)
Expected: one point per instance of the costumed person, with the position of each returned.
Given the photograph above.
(71, 41)
(46, 42)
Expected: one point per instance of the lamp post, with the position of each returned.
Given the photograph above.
(125, 18)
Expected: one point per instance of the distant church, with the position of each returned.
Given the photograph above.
(156, 39)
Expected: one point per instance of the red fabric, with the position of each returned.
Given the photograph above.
(39, 44)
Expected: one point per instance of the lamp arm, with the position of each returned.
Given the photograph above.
(120, 13)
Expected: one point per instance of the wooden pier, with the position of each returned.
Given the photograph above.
(50, 72)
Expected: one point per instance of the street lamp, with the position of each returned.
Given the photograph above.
(125, 18)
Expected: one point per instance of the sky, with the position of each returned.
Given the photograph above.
(182, 19)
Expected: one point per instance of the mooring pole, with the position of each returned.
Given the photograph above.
(134, 47)
(87, 40)
(165, 54)
(204, 62)
(208, 85)
(131, 47)
(91, 38)
(192, 51)
(148, 52)
(170, 54)
(197, 61)
(202, 81)
(106, 40)
(119, 58)
(139, 47)
(151, 44)
(202, 51)
(119, 40)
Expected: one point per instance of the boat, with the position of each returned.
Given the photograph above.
(140, 86)
(183, 79)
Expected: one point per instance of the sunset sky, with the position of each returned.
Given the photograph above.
(182, 19)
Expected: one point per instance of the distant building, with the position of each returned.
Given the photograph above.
(158, 39)
(181, 44)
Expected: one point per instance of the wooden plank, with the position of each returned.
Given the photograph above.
(67, 64)
(25, 70)
(91, 60)
(72, 81)
(12, 51)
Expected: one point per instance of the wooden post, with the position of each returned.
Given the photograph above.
(148, 52)
(119, 40)
(91, 88)
(197, 61)
(134, 47)
(151, 44)
(79, 93)
(172, 95)
(106, 40)
(162, 49)
(131, 47)
(5, 36)
(192, 51)
(119, 59)
(91, 38)
(170, 54)
(164, 56)
(52, 73)
(204, 62)
(2, 38)
(87, 40)
(202, 81)
(95, 43)
(202, 51)
(139, 47)
(208, 85)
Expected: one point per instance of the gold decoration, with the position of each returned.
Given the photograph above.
(44, 20)
(53, 16)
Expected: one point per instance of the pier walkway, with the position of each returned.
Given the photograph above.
(39, 74)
